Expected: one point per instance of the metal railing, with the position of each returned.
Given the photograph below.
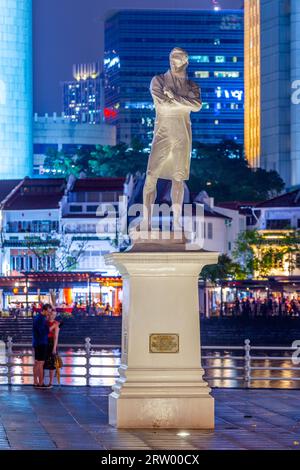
(246, 363)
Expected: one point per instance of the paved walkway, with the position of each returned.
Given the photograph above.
(76, 418)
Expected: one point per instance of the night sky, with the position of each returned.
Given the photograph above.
(71, 31)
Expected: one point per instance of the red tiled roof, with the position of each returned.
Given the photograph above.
(80, 215)
(291, 199)
(99, 184)
(236, 205)
(6, 186)
(37, 194)
(34, 202)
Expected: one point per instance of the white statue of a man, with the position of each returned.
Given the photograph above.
(175, 96)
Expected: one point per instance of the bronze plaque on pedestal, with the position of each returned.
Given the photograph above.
(164, 343)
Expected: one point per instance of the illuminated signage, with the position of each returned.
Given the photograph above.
(228, 94)
(111, 62)
(110, 113)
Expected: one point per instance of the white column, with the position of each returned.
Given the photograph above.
(161, 384)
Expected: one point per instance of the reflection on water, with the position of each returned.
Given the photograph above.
(222, 369)
(268, 370)
(74, 367)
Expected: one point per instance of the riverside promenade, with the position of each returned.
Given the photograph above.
(75, 418)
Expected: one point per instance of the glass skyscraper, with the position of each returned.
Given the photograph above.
(137, 47)
(272, 87)
(83, 97)
(15, 88)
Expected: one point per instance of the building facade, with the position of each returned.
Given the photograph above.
(58, 133)
(42, 218)
(51, 226)
(55, 234)
(83, 99)
(137, 47)
(272, 43)
(80, 219)
(277, 222)
(16, 88)
(252, 141)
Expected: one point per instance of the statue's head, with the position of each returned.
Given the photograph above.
(179, 60)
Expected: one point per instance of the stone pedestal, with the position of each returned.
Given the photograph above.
(161, 384)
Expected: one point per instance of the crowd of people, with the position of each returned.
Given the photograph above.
(76, 309)
(96, 309)
(261, 307)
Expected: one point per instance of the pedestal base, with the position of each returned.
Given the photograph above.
(161, 379)
(166, 413)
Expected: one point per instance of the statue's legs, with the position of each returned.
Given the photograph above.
(177, 195)
(149, 196)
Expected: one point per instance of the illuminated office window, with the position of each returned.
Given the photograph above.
(199, 58)
(201, 74)
(230, 74)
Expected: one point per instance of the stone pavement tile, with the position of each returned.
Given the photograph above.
(71, 443)
(163, 439)
(74, 432)
(4, 444)
(203, 440)
(253, 441)
(21, 440)
(113, 439)
(76, 418)
(83, 410)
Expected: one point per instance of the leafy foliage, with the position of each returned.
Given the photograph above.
(260, 256)
(65, 252)
(225, 174)
(254, 255)
(220, 169)
(225, 269)
(102, 161)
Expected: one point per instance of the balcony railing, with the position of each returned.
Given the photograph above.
(244, 366)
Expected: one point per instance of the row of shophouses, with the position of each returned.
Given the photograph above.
(52, 227)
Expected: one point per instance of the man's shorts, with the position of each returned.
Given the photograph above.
(40, 352)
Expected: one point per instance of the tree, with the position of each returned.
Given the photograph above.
(244, 250)
(260, 256)
(225, 269)
(291, 249)
(222, 170)
(219, 169)
(99, 161)
(63, 251)
(117, 161)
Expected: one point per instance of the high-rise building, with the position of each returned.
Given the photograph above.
(59, 134)
(137, 47)
(272, 117)
(83, 99)
(252, 82)
(15, 88)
